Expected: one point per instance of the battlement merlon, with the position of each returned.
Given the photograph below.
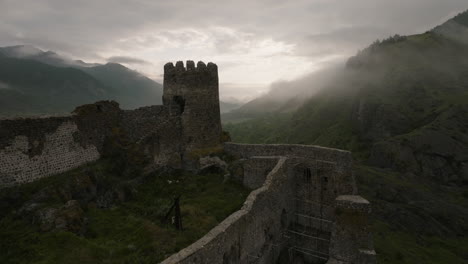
(201, 76)
(190, 66)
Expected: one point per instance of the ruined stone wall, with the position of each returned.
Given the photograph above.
(144, 121)
(341, 159)
(253, 234)
(306, 207)
(351, 240)
(255, 171)
(157, 131)
(34, 148)
(329, 221)
(188, 121)
(318, 184)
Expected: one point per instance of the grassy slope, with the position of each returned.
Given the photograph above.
(130, 232)
(406, 86)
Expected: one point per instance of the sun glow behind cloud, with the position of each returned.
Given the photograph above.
(247, 64)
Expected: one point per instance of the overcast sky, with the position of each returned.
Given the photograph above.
(254, 42)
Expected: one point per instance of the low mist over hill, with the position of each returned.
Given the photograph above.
(288, 96)
(401, 105)
(285, 96)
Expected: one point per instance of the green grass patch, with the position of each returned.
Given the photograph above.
(129, 232)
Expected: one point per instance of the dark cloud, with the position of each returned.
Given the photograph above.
(127, 60)
(79, 27)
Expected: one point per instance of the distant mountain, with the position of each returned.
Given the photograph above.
(227, 107)
(29, 94)
(30, 87)
(129, 88)
(262, 106)
(48, 57)
(401, 106)
(284, 97)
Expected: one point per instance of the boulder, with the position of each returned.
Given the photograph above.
(45, 218)
(212, 165)
(69, 217)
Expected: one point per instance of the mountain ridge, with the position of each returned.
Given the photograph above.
(111, 82)
(401, 106)
(33, 87)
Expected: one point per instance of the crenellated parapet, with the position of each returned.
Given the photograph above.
(178, 78)
(185, 83)
(190, 66)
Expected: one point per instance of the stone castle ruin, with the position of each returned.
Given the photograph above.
(303, 207)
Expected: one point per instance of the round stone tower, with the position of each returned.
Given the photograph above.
(193, 93)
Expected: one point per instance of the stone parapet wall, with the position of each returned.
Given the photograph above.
(144, 121)
(307, 208)
(351, 237)
(250, 235)
(157, 131)
(256, 169)
(342, 160)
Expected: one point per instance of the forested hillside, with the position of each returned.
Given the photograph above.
(401, 105)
